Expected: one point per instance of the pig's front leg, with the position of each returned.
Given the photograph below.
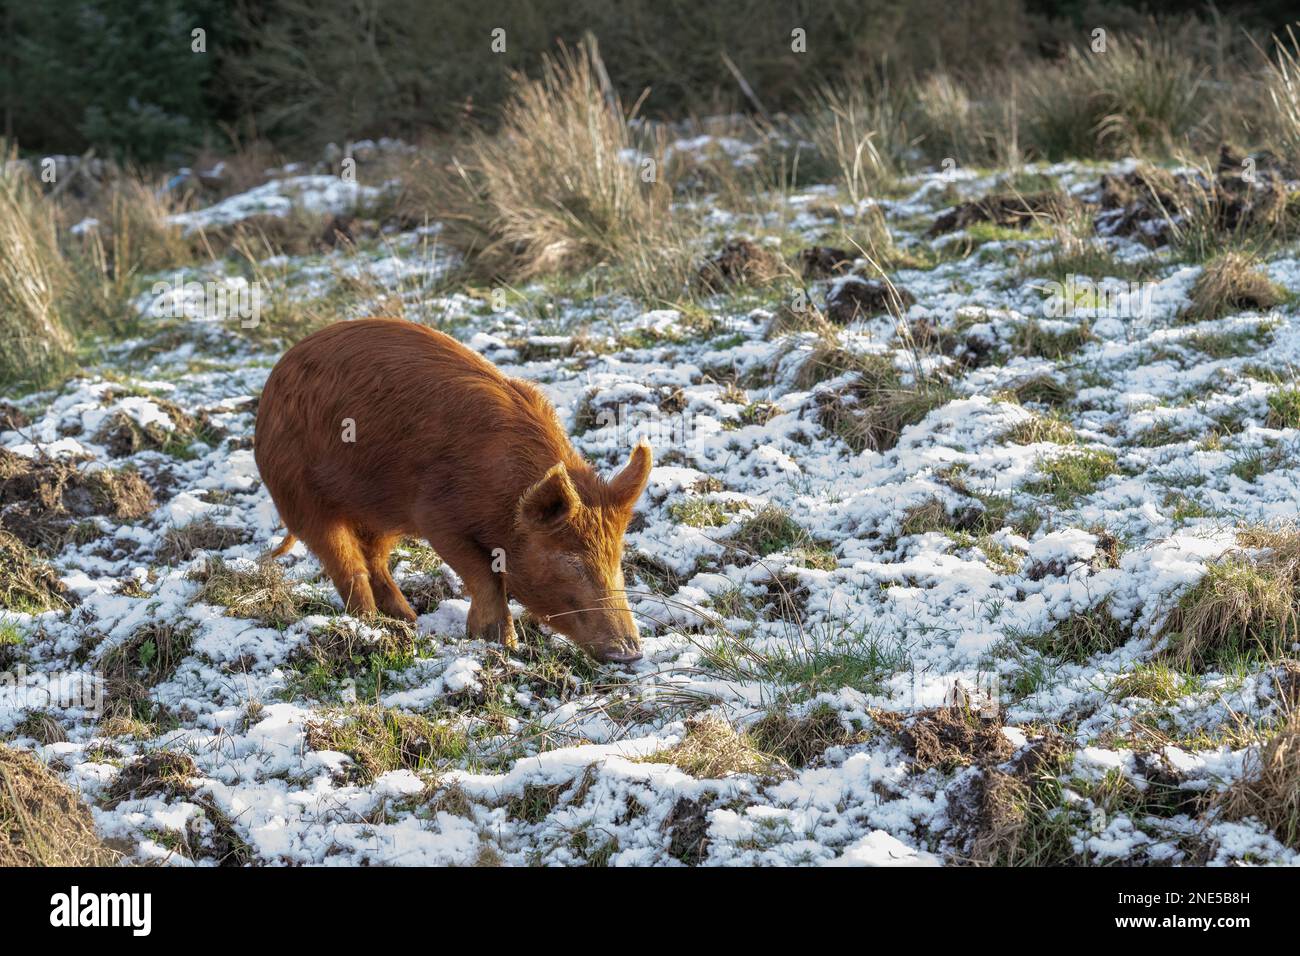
(489, 612)
(490, 619)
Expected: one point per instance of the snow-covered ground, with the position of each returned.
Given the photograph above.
(553, 760)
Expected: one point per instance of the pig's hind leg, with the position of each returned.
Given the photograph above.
(339, 550)
(388, 596)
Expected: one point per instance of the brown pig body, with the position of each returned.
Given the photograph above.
(373, 429)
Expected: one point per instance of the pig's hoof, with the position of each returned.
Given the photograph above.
(496, 633)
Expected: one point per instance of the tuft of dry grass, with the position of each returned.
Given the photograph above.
(1230, 283)
(1269, 788)
(42, 823)
(379, 740)
(133, 238)
(35, 343)
(1282, 89)
(1041, 428)
(1247, 602)
(1081, 636)
(871, 410)
(712, 748)
(554, 190)
(180, 544)
(26, 582)
(157, 772)
(858, 129)
(800, 740)
(1142, 95)
(260, 591)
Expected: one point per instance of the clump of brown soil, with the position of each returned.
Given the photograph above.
(856, 297)
(42, 499)
(122, 435)
(425, 592)
(947, 737)
(343, 229)
(958, 341)
(1151, 205)
(821, 262)
(1011, 210)
(688, 831)
(12, 417)
(26, 582)
(994, 808)
(42, 823)
(739, 262)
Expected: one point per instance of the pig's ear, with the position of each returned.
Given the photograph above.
(627, 485)
(547, 505)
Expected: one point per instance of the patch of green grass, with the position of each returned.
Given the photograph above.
(861, 659)
(1032, 338)
(1254, 462)
(981, 232)
(702, 512)
(1284, 408)
(379, 740)
(1233, 344)
(10, 639)
(340, 652)
(1184, 508)
(1080, 637)
(1157, 682)
(1071, 476)
(770, 530)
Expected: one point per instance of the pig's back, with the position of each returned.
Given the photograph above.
(420, 409)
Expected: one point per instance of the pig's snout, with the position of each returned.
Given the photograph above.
(618, 655)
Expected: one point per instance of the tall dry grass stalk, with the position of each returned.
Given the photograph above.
(134, 237)
(1282, 89)
(34, 342)
(858, 129)
(564, 184)
(1138, 96)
